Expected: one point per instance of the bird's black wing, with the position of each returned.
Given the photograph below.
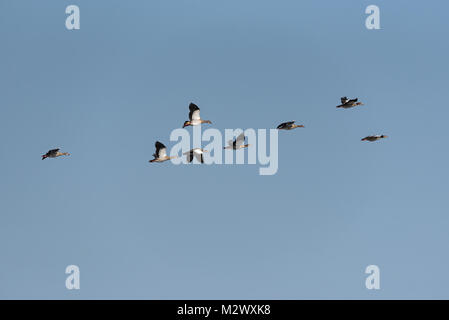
(52, 151)
(285, 124)
(159, 145)
(190, 157)
(192, 107)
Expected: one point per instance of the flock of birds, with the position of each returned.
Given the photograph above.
(238, 143)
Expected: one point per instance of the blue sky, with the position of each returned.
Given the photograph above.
(106, 92)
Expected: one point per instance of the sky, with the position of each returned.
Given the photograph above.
(139, 230)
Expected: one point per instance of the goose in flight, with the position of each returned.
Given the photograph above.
(54, 153)
(349, 103)
(161, 153)
(197, 153)
(374, 138)
(237, 143)
(194, 116)
(289, 126)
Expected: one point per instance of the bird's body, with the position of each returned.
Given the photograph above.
(374, 138)
(289, 126)
(194, 116)
(161, 153)
(197, 153)
(349, 103)
(237, 143)
(54, 153)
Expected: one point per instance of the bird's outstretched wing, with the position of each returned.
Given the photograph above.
(199, 157)
(194, 113)
(161, 150)
(189, 156)
(239, 140)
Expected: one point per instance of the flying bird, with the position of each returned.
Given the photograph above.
(289, 126)
(349, 103)
(237, 143)
(161, 153)
(374, 138)
(197, 153)
(194, 116)
(54, 153)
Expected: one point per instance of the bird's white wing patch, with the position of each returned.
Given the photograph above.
(196, 115)
(162, 153)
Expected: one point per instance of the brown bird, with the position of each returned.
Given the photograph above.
(161, 153)
(194, 116)
(54, 153)
(374, 138)
(349, 103)
(289, 126)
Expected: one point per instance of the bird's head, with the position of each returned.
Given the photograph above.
(187, 123)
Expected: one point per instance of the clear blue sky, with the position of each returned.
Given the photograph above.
(106, 92)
